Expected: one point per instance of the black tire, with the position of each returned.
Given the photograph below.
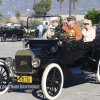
(52, 81)
(14, 38)
(4, 79)
(3, 39)
(98, 72)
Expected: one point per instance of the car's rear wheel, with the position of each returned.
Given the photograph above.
(52, 81)
(4, 79)
(14, 38)
(3, 38)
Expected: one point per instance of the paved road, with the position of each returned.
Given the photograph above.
(82, 87)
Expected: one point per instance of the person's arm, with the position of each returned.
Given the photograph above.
(93, 33)
(78, 33)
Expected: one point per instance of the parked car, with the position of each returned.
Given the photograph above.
(50, 61)
(15, 34)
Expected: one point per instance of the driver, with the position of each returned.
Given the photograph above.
(71, 30)
(50, 33)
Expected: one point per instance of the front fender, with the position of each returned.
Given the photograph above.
(65, 69)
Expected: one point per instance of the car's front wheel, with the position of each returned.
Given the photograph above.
(4, 79)
(52, 81)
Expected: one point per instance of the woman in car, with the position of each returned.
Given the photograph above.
(88, 31)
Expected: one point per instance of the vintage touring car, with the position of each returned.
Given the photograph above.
(14, 34)
(50, 61)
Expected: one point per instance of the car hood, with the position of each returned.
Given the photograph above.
(42, 43)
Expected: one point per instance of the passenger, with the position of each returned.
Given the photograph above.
(88, 32)
(50, 33)
(12, 26)
(40, 28)
(71, 29)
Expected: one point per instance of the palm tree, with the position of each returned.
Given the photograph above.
(74, 5)
(0, 2)
(61, 1)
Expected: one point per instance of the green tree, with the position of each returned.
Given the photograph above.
(61, 1)
(42, 8)
(7, 20)
(0, 2)
(0, 16)
(93, 15)
(18, 15)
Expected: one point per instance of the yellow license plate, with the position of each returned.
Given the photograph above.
(24, 79)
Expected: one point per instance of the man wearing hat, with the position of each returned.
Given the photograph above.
(71, 29)
(50, 33)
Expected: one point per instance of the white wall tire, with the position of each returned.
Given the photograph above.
(98, 72)
(56, 82)
(4, 79)
(5, 90)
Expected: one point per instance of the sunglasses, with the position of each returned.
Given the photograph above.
(86, 23)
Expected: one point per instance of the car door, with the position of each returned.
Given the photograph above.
(78, 50)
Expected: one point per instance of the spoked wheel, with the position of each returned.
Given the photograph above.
(3, 38)
(4, 80)
(52, 81)
(98, 72)
(14, 38)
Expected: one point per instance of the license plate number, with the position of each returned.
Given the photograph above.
(24, 79)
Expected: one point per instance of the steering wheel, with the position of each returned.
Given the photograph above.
(59, 33)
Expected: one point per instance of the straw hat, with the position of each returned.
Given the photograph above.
(88, 21)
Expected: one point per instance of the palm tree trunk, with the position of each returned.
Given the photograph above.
(34, 2)
(60, 7)
(70, 7)
(74, 8)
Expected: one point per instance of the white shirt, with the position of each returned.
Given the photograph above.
(89, 35)
(49, 34)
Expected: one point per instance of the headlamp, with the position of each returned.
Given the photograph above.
(9, 61)
(36, 62)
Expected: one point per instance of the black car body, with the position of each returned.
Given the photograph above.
(15, 34)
